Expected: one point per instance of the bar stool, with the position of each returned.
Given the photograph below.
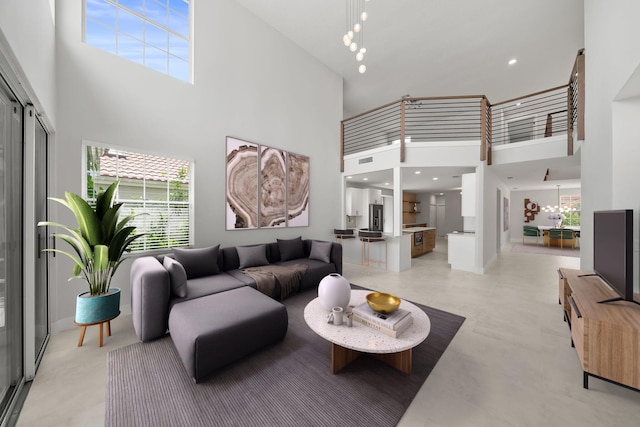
(367, 238)
(341, 235)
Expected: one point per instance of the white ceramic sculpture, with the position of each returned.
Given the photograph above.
(334, 291)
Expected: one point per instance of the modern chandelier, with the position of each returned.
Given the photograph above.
(353, 37)
(558, 208)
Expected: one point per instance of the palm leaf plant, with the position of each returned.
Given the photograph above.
(100, 239)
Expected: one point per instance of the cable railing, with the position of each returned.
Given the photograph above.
(529, 117)
(410, 120)
(551, 112)
(575, 101)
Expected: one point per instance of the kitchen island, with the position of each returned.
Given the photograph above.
(462, 251)
(423, 239)
(390, 252)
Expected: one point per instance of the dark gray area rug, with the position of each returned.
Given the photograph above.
(287, 384)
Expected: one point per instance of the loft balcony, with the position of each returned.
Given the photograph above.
(445, 131)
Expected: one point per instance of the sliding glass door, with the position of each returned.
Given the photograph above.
(41, 288)
(11, 281)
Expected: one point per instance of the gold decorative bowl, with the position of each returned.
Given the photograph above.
(383, 303)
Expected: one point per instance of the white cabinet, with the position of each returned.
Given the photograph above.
(468, 202)
(354, 201)
(359, 199)
(374, 196)
(462, 252)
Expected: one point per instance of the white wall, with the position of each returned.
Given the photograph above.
(453, 215)
(250, 82)
(490, 226)
(612, 55)
(28, 31)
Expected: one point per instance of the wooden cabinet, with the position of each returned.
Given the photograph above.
(422, 241)
(606, 336)
(429, 240)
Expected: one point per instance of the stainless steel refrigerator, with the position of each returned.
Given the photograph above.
(375, 217)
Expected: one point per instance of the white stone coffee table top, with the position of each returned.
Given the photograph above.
(362, 338)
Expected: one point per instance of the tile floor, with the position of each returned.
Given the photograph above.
(511, 363)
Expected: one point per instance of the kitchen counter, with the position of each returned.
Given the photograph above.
(414, 229)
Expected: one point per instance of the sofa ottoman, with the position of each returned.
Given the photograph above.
(215, 330)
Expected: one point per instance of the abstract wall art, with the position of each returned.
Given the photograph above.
(298, 190)
(505, 212)
(531, 209)
(266, 187)
(273, 187)
(242, 184)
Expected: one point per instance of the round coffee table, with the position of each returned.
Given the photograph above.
(349, 342)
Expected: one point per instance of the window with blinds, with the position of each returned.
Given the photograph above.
(158, 187)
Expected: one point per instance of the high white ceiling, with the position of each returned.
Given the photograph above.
(434, 48)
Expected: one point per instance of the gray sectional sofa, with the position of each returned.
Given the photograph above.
(181, 291)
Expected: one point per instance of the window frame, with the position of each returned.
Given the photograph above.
(568, 200)
(190, 203)
(145, 44)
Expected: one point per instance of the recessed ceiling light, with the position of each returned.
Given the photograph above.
(518, 104)
(365, 179)
(349, 177)
(386, 183)
(442, 194)
(435, 178)
(417, 172)
(512, 61)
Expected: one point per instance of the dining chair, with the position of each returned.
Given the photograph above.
(563, 234)
(530, 231)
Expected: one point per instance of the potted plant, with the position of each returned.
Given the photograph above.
(99, 242)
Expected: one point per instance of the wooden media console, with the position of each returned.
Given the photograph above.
(606, 336)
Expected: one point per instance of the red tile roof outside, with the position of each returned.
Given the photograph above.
(139, 166)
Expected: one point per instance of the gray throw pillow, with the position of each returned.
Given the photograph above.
(251, 256)
(320, 251)
(291, 249)
(177, 275)
(198, 262)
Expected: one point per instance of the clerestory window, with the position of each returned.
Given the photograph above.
(159, 187)
(154, 33)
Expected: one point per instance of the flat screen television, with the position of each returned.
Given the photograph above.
(613, 251)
